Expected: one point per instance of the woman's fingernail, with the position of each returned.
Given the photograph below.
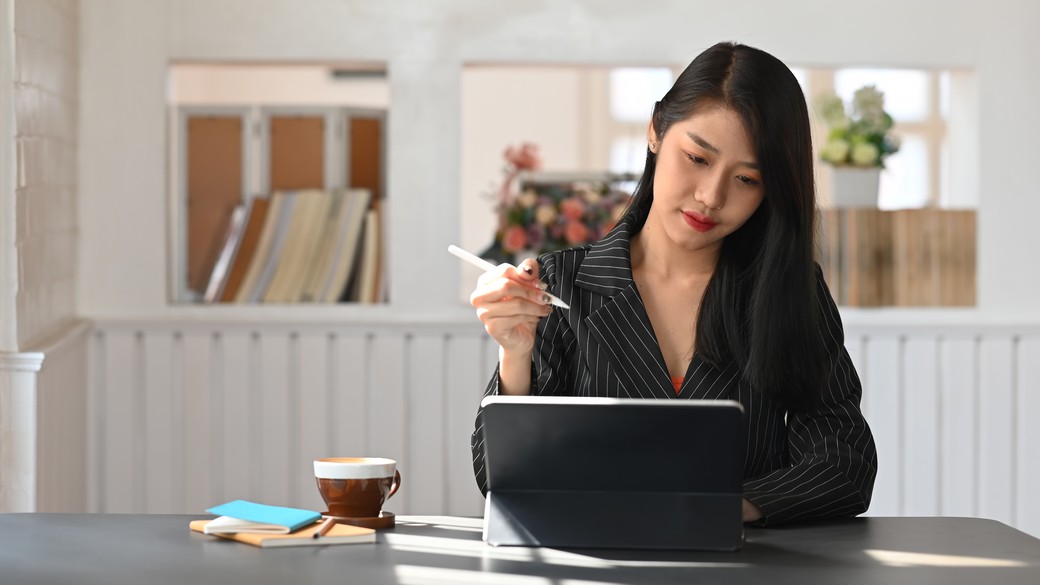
(527, 269)
(546, 299)
(541, 285)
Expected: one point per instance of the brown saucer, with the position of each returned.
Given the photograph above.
(383, 520)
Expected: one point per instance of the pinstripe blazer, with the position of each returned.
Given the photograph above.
(797, 465)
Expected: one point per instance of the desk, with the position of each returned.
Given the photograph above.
(157, 549)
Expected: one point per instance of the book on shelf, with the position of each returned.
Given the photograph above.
(368, 270)
(232, 237)
(254, 223)
(302, 246)
(324, 250)
(339, 534)
(347, 244)
(280, 225)
(379, 286)
(301, 239)
(263, 248)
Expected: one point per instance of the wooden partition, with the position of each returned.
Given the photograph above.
(906, 258)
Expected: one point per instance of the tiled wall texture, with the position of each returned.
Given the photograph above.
(46, 95)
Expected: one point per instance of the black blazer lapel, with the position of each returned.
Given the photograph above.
(623, 329)
(620, 324)
(704, 381)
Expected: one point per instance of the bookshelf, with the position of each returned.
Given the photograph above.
(278, 205)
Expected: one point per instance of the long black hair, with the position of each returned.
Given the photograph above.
(760, 308)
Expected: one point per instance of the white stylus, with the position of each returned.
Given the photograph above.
(485, 266)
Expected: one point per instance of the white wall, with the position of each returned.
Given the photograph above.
(60, 422)
(43, 367)
(542, 105)
(127, 45)
(46, 39)
(8, 181)
(295, 85)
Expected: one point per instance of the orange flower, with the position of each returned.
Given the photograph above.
(515, 239)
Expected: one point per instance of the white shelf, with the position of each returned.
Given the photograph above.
(199, 317)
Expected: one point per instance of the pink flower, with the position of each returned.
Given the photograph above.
(515, 239)
(572, 208)
(524, 158)
(576, 233)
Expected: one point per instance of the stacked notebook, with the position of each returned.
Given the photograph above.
(273, 526)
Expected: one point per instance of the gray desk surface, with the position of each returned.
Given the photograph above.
(158, 549)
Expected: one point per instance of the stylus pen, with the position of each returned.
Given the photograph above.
(325, 527)
(485, 266)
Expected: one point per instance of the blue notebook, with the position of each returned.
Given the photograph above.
(291, 518)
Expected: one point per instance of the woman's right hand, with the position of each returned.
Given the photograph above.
(510, 301)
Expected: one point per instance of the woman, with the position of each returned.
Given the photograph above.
(706, 289)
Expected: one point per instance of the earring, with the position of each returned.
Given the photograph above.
(653, 147)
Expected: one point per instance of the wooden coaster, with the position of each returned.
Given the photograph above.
(383, 520)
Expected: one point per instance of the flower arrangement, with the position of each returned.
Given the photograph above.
(552, 215)
(861, 138)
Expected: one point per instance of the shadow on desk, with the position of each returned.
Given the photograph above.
(856, 542)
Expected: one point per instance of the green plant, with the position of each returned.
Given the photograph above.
(862, 137)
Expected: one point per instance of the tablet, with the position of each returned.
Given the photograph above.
(613, 473)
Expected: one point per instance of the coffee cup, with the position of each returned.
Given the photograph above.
(356, 487)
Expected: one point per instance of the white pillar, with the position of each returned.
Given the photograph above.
(18, 416)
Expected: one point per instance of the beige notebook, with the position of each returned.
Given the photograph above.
(348, 240)
(263, 249)
(339, 534)
(369, 259)
(311, 208)
(324, 249)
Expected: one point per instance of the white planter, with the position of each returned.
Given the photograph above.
(855, 187)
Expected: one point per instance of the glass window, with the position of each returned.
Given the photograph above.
(633, 91)
(627, 155)
(905, 181)
(944, 94)
(907, 94)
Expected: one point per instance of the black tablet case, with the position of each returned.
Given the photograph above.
(601, 473)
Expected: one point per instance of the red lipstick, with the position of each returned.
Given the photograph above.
(701, 223)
